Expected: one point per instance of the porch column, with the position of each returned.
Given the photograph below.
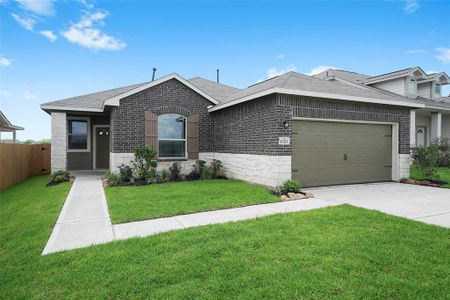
(412, 129)
(59, 141)
(436, 126)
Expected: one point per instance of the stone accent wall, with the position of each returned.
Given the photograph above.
(268, 170)
(309, 107)
(59, 141)
(404, 163)
(127, 120)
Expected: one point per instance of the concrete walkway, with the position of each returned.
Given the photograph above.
(420, 203)
(84, 219)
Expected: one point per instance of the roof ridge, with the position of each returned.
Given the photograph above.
(199, 77)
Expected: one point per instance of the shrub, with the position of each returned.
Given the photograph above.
(165, 176)
(207, 173)
(143, 162)
(426, 159)
(175, 171)
(58, 177)
(216, 167)
(290, 186)
(125, 173)
(444, 152)
(112, 177)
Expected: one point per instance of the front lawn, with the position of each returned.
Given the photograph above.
(336, 252)
(133, 203)
(444, 175)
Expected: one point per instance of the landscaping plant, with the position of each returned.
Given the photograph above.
(125, 173)
(426, 160)
(290, 186)
(112, 178)
(216, 168)
(143, 162)
(207, 173)
(444, 152)
(58, 177)
(175, 171)
(165, 176)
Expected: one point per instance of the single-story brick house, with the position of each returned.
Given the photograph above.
(332, 128)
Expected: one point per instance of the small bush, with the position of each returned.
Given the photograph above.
(443, 146)
(426, 159)
(165, 176)
(175, 171)
(58, 177)
(125, 173)
(112, 178)
(290, 186)
(143, 162)
(207, 173)
(216, 167)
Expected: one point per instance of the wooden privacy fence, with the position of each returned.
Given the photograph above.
(20, 161)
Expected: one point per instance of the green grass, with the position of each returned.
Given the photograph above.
(444, 175)
(134, 203)
(337, 252)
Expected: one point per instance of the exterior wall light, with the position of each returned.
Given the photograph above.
(286, 124)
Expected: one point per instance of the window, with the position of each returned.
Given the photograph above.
(411, 87)
(172, 136)
(78, 135)
(437, 90)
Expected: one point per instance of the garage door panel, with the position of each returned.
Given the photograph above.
(319, 149)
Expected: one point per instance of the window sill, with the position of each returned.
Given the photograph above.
(173, 159)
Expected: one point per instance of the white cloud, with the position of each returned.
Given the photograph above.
(280, 56)
(319, 69)
(5, 93)
(415, 51)
(272, 72)
(411, 6)
(38, 7)
(4, 62)
(27, 95)
(84, 33)
(49, 35)
(444, 55)
(25, 22)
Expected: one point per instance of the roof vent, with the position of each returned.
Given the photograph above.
(217, 75)
(154, 72)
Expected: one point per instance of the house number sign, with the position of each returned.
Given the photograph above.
(284, 140)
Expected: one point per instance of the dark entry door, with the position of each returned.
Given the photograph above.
(102, 147)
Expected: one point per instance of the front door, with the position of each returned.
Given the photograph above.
(421, 136)
(101, 148)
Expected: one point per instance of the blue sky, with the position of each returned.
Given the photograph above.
(51, 50)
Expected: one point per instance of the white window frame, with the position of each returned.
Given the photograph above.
(412, 80)
(88, 144)
(436, 85)
(185, 139)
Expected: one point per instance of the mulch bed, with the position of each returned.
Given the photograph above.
(432, 183)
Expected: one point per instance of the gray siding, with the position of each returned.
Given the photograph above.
(84, 160)
(168, 97)
(397, 86)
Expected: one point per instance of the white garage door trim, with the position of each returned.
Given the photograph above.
(395, 175)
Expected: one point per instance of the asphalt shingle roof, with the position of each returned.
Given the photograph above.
(297, 81)
(218, 91)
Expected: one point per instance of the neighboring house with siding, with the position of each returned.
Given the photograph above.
(332, 128)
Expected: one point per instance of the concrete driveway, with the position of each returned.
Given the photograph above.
(425, 204)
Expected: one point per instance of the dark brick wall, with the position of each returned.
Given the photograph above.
(251, 128)
(254, 127)
(310, 107)
(127, 120)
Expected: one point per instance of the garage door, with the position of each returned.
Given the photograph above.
(326, 153)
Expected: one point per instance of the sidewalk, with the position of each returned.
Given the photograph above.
(84, 219)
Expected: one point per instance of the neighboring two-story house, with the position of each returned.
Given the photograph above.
(336, 127)
(430, 122)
